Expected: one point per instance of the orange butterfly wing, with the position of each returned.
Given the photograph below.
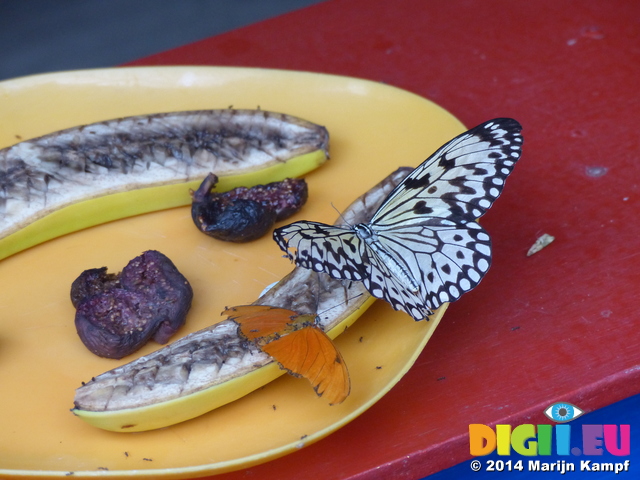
(297, 345)
(260, 321)
(310, 353)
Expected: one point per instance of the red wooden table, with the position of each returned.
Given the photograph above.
(559, 325)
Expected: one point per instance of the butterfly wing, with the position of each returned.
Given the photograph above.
(427, 224)
(310, 353)
(323, 248)
(297, 344)
(459, 182)
(448, 263)
(260, 322)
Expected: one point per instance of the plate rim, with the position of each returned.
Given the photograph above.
(30, 81)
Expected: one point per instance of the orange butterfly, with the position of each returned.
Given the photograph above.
(297, 344)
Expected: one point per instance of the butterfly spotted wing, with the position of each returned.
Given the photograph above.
(298, 345)
(423, 246)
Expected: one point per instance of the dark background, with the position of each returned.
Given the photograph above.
(38, 36)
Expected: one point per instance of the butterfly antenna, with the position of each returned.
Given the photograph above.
(341, 216)
(345, 302)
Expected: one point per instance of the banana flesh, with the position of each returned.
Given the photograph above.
(214, 366)
(84, 176)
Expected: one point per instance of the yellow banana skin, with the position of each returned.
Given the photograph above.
(214, 366)
(85, 176)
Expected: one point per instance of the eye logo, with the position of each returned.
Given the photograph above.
(562, 412)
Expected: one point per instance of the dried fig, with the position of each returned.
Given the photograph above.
(245, 214)
(116, 314)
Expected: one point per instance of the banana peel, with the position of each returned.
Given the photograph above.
(84, 176)
(217, 365)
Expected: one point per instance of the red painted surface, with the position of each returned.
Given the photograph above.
(560, 325)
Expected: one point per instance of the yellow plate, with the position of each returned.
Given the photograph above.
(374, 128)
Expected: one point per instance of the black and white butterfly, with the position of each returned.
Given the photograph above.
(423, 246)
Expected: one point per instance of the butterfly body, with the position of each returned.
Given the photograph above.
(367, 234)
(423, 246)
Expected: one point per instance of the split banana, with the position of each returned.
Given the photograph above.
(84, 176)
(214, 366)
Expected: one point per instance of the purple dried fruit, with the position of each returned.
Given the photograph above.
(245, 214)
(116, 314)
(91, 282)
